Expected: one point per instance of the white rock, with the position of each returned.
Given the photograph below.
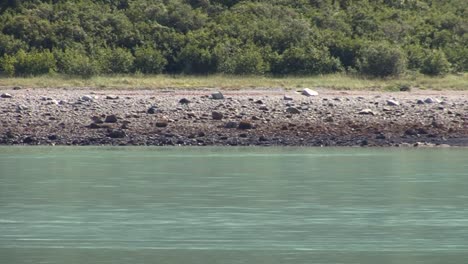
(309, 92)
(366, 111)
(393, 102)
(87, 98)
(287, 98)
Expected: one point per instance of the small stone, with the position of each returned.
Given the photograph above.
(259, 102)
(293, 110)
(52, 137)
(20, 108)
(287, 98)
(328, 119)
(419, 102)
(231, 124)
(217, 96)
(430, 100)
(112, 97)
(255, 118)
(366, 111)
(97, 120)
(309, 92)
(111, 119)
(217, 115)
(117, 134)
(17, 88)
(393, 102)
(262, 138)
(6, 95)
(245, 125)
(184, 101)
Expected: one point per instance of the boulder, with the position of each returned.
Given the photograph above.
(393, 102)
(245, 125)
(231, 124)
(293, 110)
(217, 115)
(116, 134)
(217, 96)
(184, 101)
(6, 95)
(111, 119)
(309, 92)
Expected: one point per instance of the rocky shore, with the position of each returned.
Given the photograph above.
(235, 118)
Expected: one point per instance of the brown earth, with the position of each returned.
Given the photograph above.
(244, 117)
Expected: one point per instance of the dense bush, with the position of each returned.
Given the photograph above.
(90, 37)
(149, 60)
(435, 63)
(381, 60)
(29, 63)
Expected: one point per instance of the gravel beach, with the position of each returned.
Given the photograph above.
(204, 117)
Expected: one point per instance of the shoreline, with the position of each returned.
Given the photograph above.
(246, 117)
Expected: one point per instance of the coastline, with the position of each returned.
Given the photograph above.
(246, 117)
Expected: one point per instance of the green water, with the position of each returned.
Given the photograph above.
(233, 205)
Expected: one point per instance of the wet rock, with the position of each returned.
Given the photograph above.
(184, 101)
(217, 96)
(111, 119)
(309, 92)
(217, 115)
(29, 140)
(52, 137)
(393, 102)
(116, 133)
(366, 111)
(245, 125)
(292, 110)
(287, 98)
(112, 97)
(6, 95)
(231, 124)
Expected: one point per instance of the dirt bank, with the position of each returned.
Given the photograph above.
(245, 117)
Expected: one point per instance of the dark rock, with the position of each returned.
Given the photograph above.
(116, 134)
(259, 102)
(262, 138)
(184, 101)
(161, 123)
(217, 115)
(29, 140)
(94, 126)
(52, 137)
(411, 132)
(6, 95)
(97, 120)
(152, 110)
(231, 124)
(293, 110)
(420, 102)
(217, 96)
(243, 135)
(17, 88)
(245, 125)
(111, 119)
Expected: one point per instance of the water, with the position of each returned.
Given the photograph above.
(233, 205)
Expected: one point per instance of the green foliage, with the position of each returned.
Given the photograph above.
(149, 60)
(381, 60)
(239, 37)
(436, 63)
(116, 60)
(76, 62)
(29, 63)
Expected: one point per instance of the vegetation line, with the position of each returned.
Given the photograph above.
(330, 81)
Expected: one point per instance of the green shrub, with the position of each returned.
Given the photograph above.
(116, 60)
(149, 60)
(241, 60)
(436, 63)
(76, 62)
(194, 59)
(381, 60)
(306, 60)
(29, 63)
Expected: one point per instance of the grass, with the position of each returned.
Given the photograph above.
(333, 81)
